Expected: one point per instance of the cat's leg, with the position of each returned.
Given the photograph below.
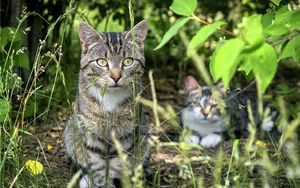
(93, 166)
(97, 173)
(85, 182)
(193, 138)
(210, 140)
(102, 167)
(96, 180)
(116, 167)
(267, 124)
(95, 177)
(88, 154)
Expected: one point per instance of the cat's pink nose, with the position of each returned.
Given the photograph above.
(206, 110)
(116, 74)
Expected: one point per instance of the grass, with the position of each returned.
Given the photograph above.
(14, 128)
(244, 163)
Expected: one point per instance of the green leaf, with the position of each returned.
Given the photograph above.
(245, 66)
(225, 60)
(11, 34)
(264, 65)
(202, 35)
(276, 2)
(266, 19)
(21, 60)
(295, 20)
(184, 7)
(250, 76)
(212, 65)
(31, 108)
(252, 31)
(3, 39)
(283, 15)
(172, 31)
(4, 109)
(292, 49)
(277, 30)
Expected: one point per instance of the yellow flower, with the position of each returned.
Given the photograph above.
(34, 167)
(49, 147)
(260, 143)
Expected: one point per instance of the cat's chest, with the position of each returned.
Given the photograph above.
(200, 125)
(121, 121)
(110, 101)
(205, 128)
(120, 117)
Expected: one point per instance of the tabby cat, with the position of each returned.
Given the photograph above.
(111, 69)
(202, 115)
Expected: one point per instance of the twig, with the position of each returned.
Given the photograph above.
(207, 23)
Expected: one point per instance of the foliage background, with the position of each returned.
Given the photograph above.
(39, 61)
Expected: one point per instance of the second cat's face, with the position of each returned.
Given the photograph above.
(112, 60)
(200, 102)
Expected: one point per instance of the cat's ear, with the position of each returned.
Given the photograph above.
(87, 35)
(139, 31)
(220, 87)
(191, 84)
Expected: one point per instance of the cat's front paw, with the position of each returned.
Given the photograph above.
(193, 139)
(210, 141)
(85, 182)
(267, 124)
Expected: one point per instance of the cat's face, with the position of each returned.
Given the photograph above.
(200, 101)
(112, 60)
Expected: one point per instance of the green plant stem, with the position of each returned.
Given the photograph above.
(154, 99)
(234, 149)
(155, 114)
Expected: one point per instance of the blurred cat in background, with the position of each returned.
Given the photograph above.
(202, 116)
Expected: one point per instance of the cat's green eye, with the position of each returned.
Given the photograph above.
(127, 62)
(102, 62)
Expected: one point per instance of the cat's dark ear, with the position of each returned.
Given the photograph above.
(220, 87)
(139, 31)
(87, 35)
(191, 84)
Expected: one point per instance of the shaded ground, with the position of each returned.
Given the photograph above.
(50, 151)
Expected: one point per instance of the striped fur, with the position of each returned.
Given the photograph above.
(105, 104)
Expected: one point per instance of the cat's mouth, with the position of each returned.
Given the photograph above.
(209, 121)
(115, 87)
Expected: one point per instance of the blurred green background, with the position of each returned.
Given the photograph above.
(40, 57)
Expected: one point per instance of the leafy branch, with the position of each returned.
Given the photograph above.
(249, 51)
